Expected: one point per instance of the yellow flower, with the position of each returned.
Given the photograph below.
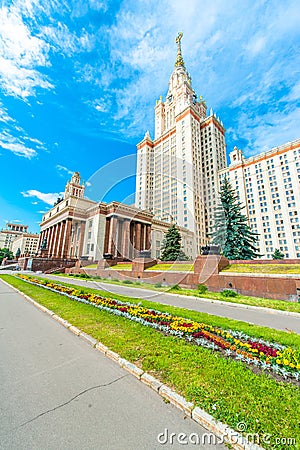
(278, 361)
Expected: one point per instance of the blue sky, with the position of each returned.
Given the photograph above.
(79, 80)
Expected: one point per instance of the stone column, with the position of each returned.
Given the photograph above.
(40, 240)
(131, 240)
(67, 237)
(61, 238)
(112, 236)
(47, 237)
(143, 234)
(126, 239)
(51, 241)
(56, 240)
(81, 239)
(148, 237)
(119, 238)
(137, 238)
(106, 238)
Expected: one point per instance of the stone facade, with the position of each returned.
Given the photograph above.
(80, 228)
(268, 185)
(10, 233)
(27, 243)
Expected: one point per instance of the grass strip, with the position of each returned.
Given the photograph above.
(226, 389)
(188, 267)
(286, 338)
(280, 305)
(263, 268)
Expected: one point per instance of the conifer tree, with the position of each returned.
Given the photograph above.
(5, 253)
(231, 230)
(277, 254)
(171, 246)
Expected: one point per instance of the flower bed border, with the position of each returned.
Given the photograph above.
(220, 429)
(270, 364)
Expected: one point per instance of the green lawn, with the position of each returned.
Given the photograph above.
(188, 267)
(263, 268)
(238, 268)
(159, 267)
(123, 266)
(280, 305)
(226, 389)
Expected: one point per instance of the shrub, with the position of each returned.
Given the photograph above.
(229, 293)
(202, 289)
(158, 285)
(127, 282)
(175, 287)
(83, 275)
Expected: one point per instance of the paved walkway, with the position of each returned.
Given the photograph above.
(263, 316)
(56, 392)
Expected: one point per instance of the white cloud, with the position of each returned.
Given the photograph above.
(21, 53)
(241, 55)
(268, 130)
(236, 57)
(15, 139)
(62, 39)
(4, 116)
(48, 198)
(63, 169)
(256, 45)
(294, 94)
(16, 145)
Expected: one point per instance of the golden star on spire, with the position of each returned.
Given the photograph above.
(179, 59)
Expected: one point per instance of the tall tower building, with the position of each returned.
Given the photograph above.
(177, 172)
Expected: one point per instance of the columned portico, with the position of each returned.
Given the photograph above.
(125, 238)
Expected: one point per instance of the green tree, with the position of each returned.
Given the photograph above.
(18, 252)
(277, 254)
(231, 230)
(5, 253)
(171, 246)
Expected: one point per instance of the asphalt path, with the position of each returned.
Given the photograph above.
(57, 392)
(262, 316)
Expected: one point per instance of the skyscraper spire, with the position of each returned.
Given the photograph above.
(179, 60)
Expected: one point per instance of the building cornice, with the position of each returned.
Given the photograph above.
(266, 155)
(212, 119)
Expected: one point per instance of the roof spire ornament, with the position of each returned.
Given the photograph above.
(179, 60)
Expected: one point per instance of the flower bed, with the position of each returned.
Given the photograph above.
(278, 359)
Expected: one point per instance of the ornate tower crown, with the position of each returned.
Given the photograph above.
(179, 60)
(74, 187)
